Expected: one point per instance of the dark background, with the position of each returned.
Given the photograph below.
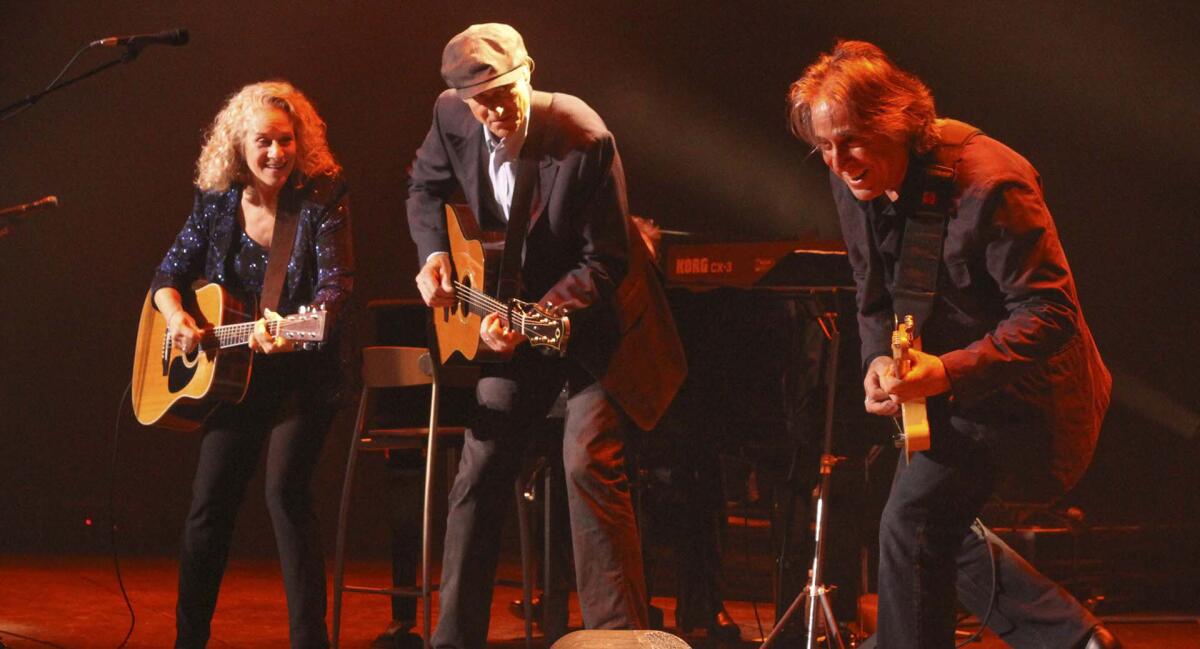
(1103, 99)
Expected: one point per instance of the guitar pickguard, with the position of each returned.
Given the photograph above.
(182, 371)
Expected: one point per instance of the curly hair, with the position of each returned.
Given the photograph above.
(222, 162)
(878, 96)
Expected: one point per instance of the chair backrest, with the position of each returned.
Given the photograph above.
(396, 367)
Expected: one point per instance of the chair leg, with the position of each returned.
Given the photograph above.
(339, 555)
(525, 520)
(431, 449)
(556, 524)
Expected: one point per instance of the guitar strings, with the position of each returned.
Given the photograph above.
(485, 306)
(474, 297)
(484, 303)
(483, 299)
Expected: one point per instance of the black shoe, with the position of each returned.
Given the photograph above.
(398, 635)
(517, 608)
(1102, 638)
(720, 626)
(655, 615)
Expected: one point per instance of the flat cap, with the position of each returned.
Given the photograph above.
(483, 57)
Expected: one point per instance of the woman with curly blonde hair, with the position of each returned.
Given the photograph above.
(265, 158)
(221, 163)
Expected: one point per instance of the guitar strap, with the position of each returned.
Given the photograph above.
(509, 279)
(925, 227)
(283, 238)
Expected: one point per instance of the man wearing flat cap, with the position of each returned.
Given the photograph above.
(547, 161)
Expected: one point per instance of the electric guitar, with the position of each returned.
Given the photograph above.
(914, 433)
(179, 391)
(457, 326)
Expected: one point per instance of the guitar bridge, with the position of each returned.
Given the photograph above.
(166, 352)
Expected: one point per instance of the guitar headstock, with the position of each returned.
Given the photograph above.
(308, 325)
(544, 327)
(902, 341)
(902, 336)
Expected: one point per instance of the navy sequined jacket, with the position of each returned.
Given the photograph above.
(320, 271)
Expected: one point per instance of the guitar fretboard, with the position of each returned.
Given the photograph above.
(239, 334)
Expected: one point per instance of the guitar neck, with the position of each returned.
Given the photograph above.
(233, 335)
(514, 313)
(914, 435)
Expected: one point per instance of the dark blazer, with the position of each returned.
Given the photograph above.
(1024, 372)
(582, 252)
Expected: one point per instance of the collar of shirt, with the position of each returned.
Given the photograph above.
(908, 194)
(502, 155)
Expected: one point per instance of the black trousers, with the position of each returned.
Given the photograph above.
(931, 551)
(512, 397)
(696, 519)
(406, 483)
(292, 424)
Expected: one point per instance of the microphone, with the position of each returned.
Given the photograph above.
(44, 202)
(175, 37)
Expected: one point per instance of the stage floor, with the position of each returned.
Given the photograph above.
(74, 602)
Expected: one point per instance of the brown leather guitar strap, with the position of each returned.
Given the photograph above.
(283, 237)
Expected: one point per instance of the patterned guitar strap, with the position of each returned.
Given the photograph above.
(925, 228)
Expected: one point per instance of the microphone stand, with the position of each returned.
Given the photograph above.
(816, 593)
(9, 216)
(131, 53)
(6, 222)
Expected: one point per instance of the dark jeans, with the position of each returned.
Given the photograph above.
(512, 398)
(293, 427)
(930, 553)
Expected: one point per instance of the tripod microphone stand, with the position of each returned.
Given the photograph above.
(815, 593)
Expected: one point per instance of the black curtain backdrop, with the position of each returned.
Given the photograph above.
(1102, 98)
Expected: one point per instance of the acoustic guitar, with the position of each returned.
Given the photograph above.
(913, 435)
(179, 391)
(475, 268)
